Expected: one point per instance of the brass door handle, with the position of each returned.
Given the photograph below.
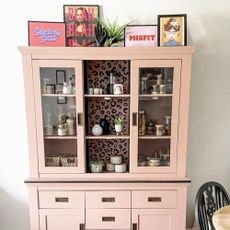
(80, 119)
(82, 226)
(134, 118)
(134, 227)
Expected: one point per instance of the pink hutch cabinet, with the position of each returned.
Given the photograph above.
(70, 90)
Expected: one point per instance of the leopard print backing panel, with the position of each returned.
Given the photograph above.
(98, 72)
(103, 149)
(100, 108)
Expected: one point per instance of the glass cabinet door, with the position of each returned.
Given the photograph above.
(59, 108)
(155, 115)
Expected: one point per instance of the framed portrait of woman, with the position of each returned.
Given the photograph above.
(172, 30)
(80, 24)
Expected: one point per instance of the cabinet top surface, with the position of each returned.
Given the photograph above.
(90, 52)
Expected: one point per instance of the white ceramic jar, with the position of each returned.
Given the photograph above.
(110, 167)
(118, 89)
(116, 160)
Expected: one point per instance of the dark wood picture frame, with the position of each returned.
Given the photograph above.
(80, 24)
(60, 76)
(172, 30)
(61, 100)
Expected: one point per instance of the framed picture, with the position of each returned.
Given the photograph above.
(172, 30)
(46, 33)
(61, 100)
(60, 76)
(80, 24)
(141, 35)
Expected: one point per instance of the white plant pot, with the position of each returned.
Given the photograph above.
(118, 129)
(96, 168)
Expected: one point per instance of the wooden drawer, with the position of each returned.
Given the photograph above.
(108, 219)
(108, 199)
(154, 199)
(61, 199)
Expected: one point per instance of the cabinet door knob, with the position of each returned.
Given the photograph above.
(154, 199)
(62, 199)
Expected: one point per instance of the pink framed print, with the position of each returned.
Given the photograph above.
(80, 24)
(141, 35)
(46, 33)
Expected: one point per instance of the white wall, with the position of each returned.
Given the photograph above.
(209, 145)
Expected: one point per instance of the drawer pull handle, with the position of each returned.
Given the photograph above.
(108, 218)
(108, 199)
(134, 119)
(62, 199)
(154, 199)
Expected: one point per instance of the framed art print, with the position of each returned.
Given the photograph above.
(141, 35)
(172, 30)
(80, 24)
(46, 33)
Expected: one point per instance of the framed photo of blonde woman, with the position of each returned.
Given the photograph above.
(172, 30)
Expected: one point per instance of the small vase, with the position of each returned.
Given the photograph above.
(97, 130)
(119, 129)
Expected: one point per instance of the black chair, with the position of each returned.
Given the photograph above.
(210, 197)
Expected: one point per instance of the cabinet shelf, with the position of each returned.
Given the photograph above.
(154, 95)
(109, 137)
(154, 137)
(60, 137)
(58, 95)
(107, 95)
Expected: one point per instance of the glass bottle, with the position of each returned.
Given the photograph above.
(143, 85)
(141, 123)
(112, 81)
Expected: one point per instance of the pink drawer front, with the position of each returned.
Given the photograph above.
(108, 199)
(61, 199)
(108, 219)
(154, 199)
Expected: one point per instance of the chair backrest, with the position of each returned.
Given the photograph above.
(210, 197)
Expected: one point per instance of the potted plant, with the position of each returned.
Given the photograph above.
(96, 166)
(114, 32)
(119, 122)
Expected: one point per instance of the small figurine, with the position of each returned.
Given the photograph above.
(100, 34)
(151, 127)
